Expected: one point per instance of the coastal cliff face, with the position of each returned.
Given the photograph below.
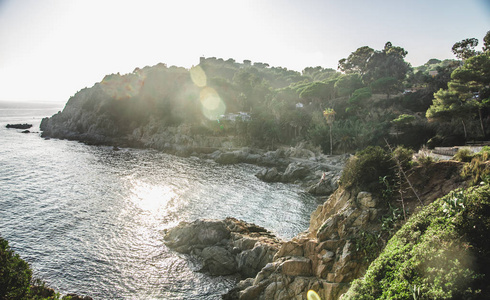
(326, 258)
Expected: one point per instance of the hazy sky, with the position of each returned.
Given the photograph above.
(50, 49)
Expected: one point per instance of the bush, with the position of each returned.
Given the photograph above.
(15, 274)
(362, 172)
(404, 156)
(476, 170)
(463, 155)
(16, 278)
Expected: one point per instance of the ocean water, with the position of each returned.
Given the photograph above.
(90, 220)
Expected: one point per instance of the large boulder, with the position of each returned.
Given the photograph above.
(198, 234)
(225, 247)
(295, 171)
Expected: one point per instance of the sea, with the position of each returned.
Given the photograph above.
(90, 220)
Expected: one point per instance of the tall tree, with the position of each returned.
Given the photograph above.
(372, 65)
(465, 49)
(329, 115)
(468, 92)
(357, 61)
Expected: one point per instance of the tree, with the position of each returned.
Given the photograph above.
(317, 91)
(486, 42)
(357, 61)
(329, 115)
(465, 49)
(387, 85)
(468, 92)
(347, 84)
(372, 65)
(472, 81)
(447, 105)
(401, 121)
(390, 62)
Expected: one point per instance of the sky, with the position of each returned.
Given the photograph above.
(50, 49)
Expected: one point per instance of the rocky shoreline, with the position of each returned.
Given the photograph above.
(316, 172)
(323, 258)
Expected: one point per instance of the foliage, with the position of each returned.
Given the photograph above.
(123, 106)
(463, 155)
(476, 169)
(467, 96)
(403, 119)
(435, 254)
(386, 85)
(404, 156)
(364, 169)
(465, 49)
(360, 95)
(16, 278)
(367, 243)
(347, 84)
(391, 220)
(455, 202)
(15, 274)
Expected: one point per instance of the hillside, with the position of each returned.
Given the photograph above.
(225, 104)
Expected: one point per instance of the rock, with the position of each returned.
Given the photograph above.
(218, 261)
(366, 199)
(19, 126)
(269, 175)
(225, 246)
(297, 266)
(250, 262)
(199, 233)
(75, 297)
(329, 229)
(325, 186)
(295, 171)
(228, 158)
(290, 248)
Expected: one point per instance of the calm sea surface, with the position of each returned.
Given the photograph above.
(89, 220)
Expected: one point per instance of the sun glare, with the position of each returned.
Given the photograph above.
(151, 198)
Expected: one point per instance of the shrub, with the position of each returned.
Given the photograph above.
(476, 169)
(16, 278)
(463, 155)
(15, 274)
(362, 172)
(404, 156)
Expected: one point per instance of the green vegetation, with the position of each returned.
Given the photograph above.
(363, 171)
(440, 253)
(16, 282)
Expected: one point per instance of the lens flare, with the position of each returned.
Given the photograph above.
(312, 295)
(198, 76)
(212, 105)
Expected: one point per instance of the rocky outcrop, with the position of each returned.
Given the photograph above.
(225, 247)
(319, 174)
(324, 258)
(19, 126)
